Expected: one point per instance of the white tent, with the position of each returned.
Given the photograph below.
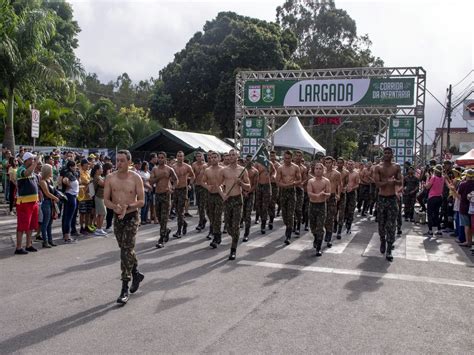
(293, 135)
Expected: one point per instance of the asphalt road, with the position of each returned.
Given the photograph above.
(273, 299)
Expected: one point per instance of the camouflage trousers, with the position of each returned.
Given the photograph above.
(387, 212)
(262, 200)
(214, 212)
(317, 217)
(125, 231)
(409, 202)
(180, 197)
(273, 200)
(299, 192)
(162, 210)
(399, 215)
(351, 201)
(363, 197)
(287, 203)
(330, 213)
(247, 209)
(201, 199)
(341, 210)
(306, 205)
(233, 213)
(373, 194)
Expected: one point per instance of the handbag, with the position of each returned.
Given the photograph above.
(56, 210)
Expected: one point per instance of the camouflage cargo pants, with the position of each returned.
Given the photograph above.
(317, 217)
(180, 197)
(162, 210)
(341, 209)
(387, 213)
(330, 213)
(125, 231)
(247, 209)
(214, 212)
(409, 202)
(273, 200)
(201, 197)
(262, 200)
(299, 192)
(233, 214)
(364, 196)
(306, 205)
(287, 203)
(351, 201)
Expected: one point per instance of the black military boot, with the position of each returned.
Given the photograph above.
(327, 239)
(166, 238)
(288, 235)
(348, 228)
(270, 223)
(214, 242)
(339, 231)
(306, 226)
(203, 224)
(334, 230)
(185, 227)
(123, 298)
(317, 245)
(209, 235)
(383, 245)
(137, 277)
(246, 233)
(161, 243)
(233, 251)
(219, 239)
(177, 235)
(262, 226)
(388, 254)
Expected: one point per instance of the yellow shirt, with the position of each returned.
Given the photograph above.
(84, 180)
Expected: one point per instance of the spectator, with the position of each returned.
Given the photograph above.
(144, 172)
(5, 178)
(100, 211)
(435, 188)
(48, 205)
(12, 170)
(458, 231)
(85, 200)
(27, 203)
(37, 174)
(71, 187)
(466, 188)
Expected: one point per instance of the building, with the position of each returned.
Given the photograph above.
(461, 141)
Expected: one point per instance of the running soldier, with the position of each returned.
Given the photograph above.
(162, 175)
(124, 194)
(152, 164)
(335, 178)
(211, 181)
(341, 204)
(299, 192)
(319, 190)
(234, 178)
(263, 194)
(185, 175)
(305, 219)
(351, 195)
(201, 192)
(387, 177)
(374, 191)
(364, 188)
(411, 185)
(287, 178)
(275, 195)
(249, 195)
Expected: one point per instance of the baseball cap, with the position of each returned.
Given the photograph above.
(27, 156)
(470, 172)
(92, 156)
(438, 168)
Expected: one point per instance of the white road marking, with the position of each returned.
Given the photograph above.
(358, 273)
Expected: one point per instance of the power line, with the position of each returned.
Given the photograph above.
(466, 89)
(434, 97)
(459, 82)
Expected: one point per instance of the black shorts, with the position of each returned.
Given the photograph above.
(86, 206)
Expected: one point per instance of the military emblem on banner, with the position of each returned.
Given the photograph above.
(268, 93)
(254, 93)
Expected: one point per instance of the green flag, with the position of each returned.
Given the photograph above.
(262, 157)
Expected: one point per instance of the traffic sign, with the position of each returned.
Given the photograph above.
(35, 123)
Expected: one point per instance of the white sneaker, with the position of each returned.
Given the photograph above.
(100, 233)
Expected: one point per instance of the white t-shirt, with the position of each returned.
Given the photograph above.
(145, 175)
(73, 188)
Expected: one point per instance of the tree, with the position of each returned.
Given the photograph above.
(26, 58)
(201, 78)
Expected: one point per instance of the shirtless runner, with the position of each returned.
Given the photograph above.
(341, 204)
(319, 190)
(288, 176)
(211, 181)
(201, 192)
(263, 194)
(124, 194)
(364, 188)
(334, 177)
(388, 178)
(275, 194)
(185, 173)
(249, 195)
(162, 175)
(299, 190)
(234, 178)
(351, 195)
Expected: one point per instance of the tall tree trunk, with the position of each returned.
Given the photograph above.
(9, 136)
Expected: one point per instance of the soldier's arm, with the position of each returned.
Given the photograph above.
(398, 178)
(278, 177)
(244, 181)
(310, 190)
(191, 175)
(140, 202)
(327, 189)
(173, 176)
(297, 176)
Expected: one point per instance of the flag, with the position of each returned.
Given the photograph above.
(262, 157)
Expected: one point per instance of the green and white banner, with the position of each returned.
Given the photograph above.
(253, 134)
(329, 92)
(401, 135)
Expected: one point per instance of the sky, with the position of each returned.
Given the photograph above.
(140, 37)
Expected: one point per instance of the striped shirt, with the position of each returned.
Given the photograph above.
(27, 186)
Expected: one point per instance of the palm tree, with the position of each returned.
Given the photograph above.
(24, 60)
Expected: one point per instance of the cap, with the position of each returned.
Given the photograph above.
(470, 173)
(27, 156)
(438, 168)
(84, 161)
(92, 156)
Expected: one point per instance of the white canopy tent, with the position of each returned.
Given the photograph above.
(293, 135)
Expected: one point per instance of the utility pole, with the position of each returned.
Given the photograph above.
(448, 115)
